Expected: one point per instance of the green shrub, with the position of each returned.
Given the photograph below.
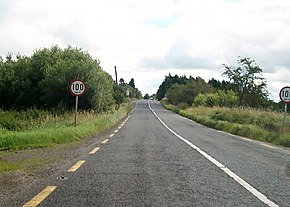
(283, 140)
(218, 98)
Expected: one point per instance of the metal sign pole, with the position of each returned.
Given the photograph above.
(284, 95)
(285, 115)
(77, 88)
(77, 100)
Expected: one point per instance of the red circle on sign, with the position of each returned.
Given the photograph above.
(77, 87)
(282, 94)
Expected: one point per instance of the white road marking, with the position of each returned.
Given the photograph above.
(242, 182)
(267, 145)
(116, 131)
(111, 135)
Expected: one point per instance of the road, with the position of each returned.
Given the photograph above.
(158, 158)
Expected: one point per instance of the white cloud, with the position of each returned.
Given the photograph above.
(148, 39)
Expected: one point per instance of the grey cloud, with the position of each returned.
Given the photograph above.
(153, 63)
(178, 57)
(273, 59)
(5, 9)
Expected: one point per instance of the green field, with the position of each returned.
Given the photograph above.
(260, 125)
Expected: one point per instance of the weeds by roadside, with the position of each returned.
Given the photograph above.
(20, 130)
(255, 124)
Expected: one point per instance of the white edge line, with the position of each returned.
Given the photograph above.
(274, 147)
(242, 182)
(267, 145)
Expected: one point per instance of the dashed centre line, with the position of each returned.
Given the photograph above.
(76, 166)
(105, 141)
(36, 200)
(94, 150)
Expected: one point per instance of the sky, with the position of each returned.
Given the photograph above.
(147, 40)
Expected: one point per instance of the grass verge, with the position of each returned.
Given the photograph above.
(54, 133)
(49, 135)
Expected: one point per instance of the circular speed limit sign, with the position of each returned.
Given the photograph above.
(285, 94)
(77, 88)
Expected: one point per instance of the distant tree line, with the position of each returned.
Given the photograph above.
(42, 81)
(126, 90)
(246, 87)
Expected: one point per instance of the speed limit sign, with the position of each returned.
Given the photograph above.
(285, 94)
(77, 88)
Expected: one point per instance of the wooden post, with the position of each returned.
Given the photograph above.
(116, 75)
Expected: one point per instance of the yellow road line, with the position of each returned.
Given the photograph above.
(36, 200)
(105, 141)
(76, 166)
(94, 150)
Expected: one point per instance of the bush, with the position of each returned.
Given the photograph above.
(218, 98)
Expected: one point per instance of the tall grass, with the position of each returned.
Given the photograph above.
(39, 129)
(255, 124)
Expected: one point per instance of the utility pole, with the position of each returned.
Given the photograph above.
(116, 75)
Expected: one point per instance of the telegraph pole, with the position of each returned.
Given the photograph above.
(116, 75)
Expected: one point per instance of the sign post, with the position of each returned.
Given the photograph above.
(77, 88)
(285, 98)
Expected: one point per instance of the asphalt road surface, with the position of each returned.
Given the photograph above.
(158, 158)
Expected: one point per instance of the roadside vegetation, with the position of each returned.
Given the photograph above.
(252, 123)
(42, 80)
(239, 106)
(41, 129)
(38, 129)
(37, 109)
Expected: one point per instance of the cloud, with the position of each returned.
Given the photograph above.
(142, 37)
(164, 21)
(183, 54)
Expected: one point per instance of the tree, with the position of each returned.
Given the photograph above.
(42, 80)
(121, 81)
(168, 82)
(220, 85)
(146, 96)
(118, 95)
(247, 82)
(131, 83)
(185, 93)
